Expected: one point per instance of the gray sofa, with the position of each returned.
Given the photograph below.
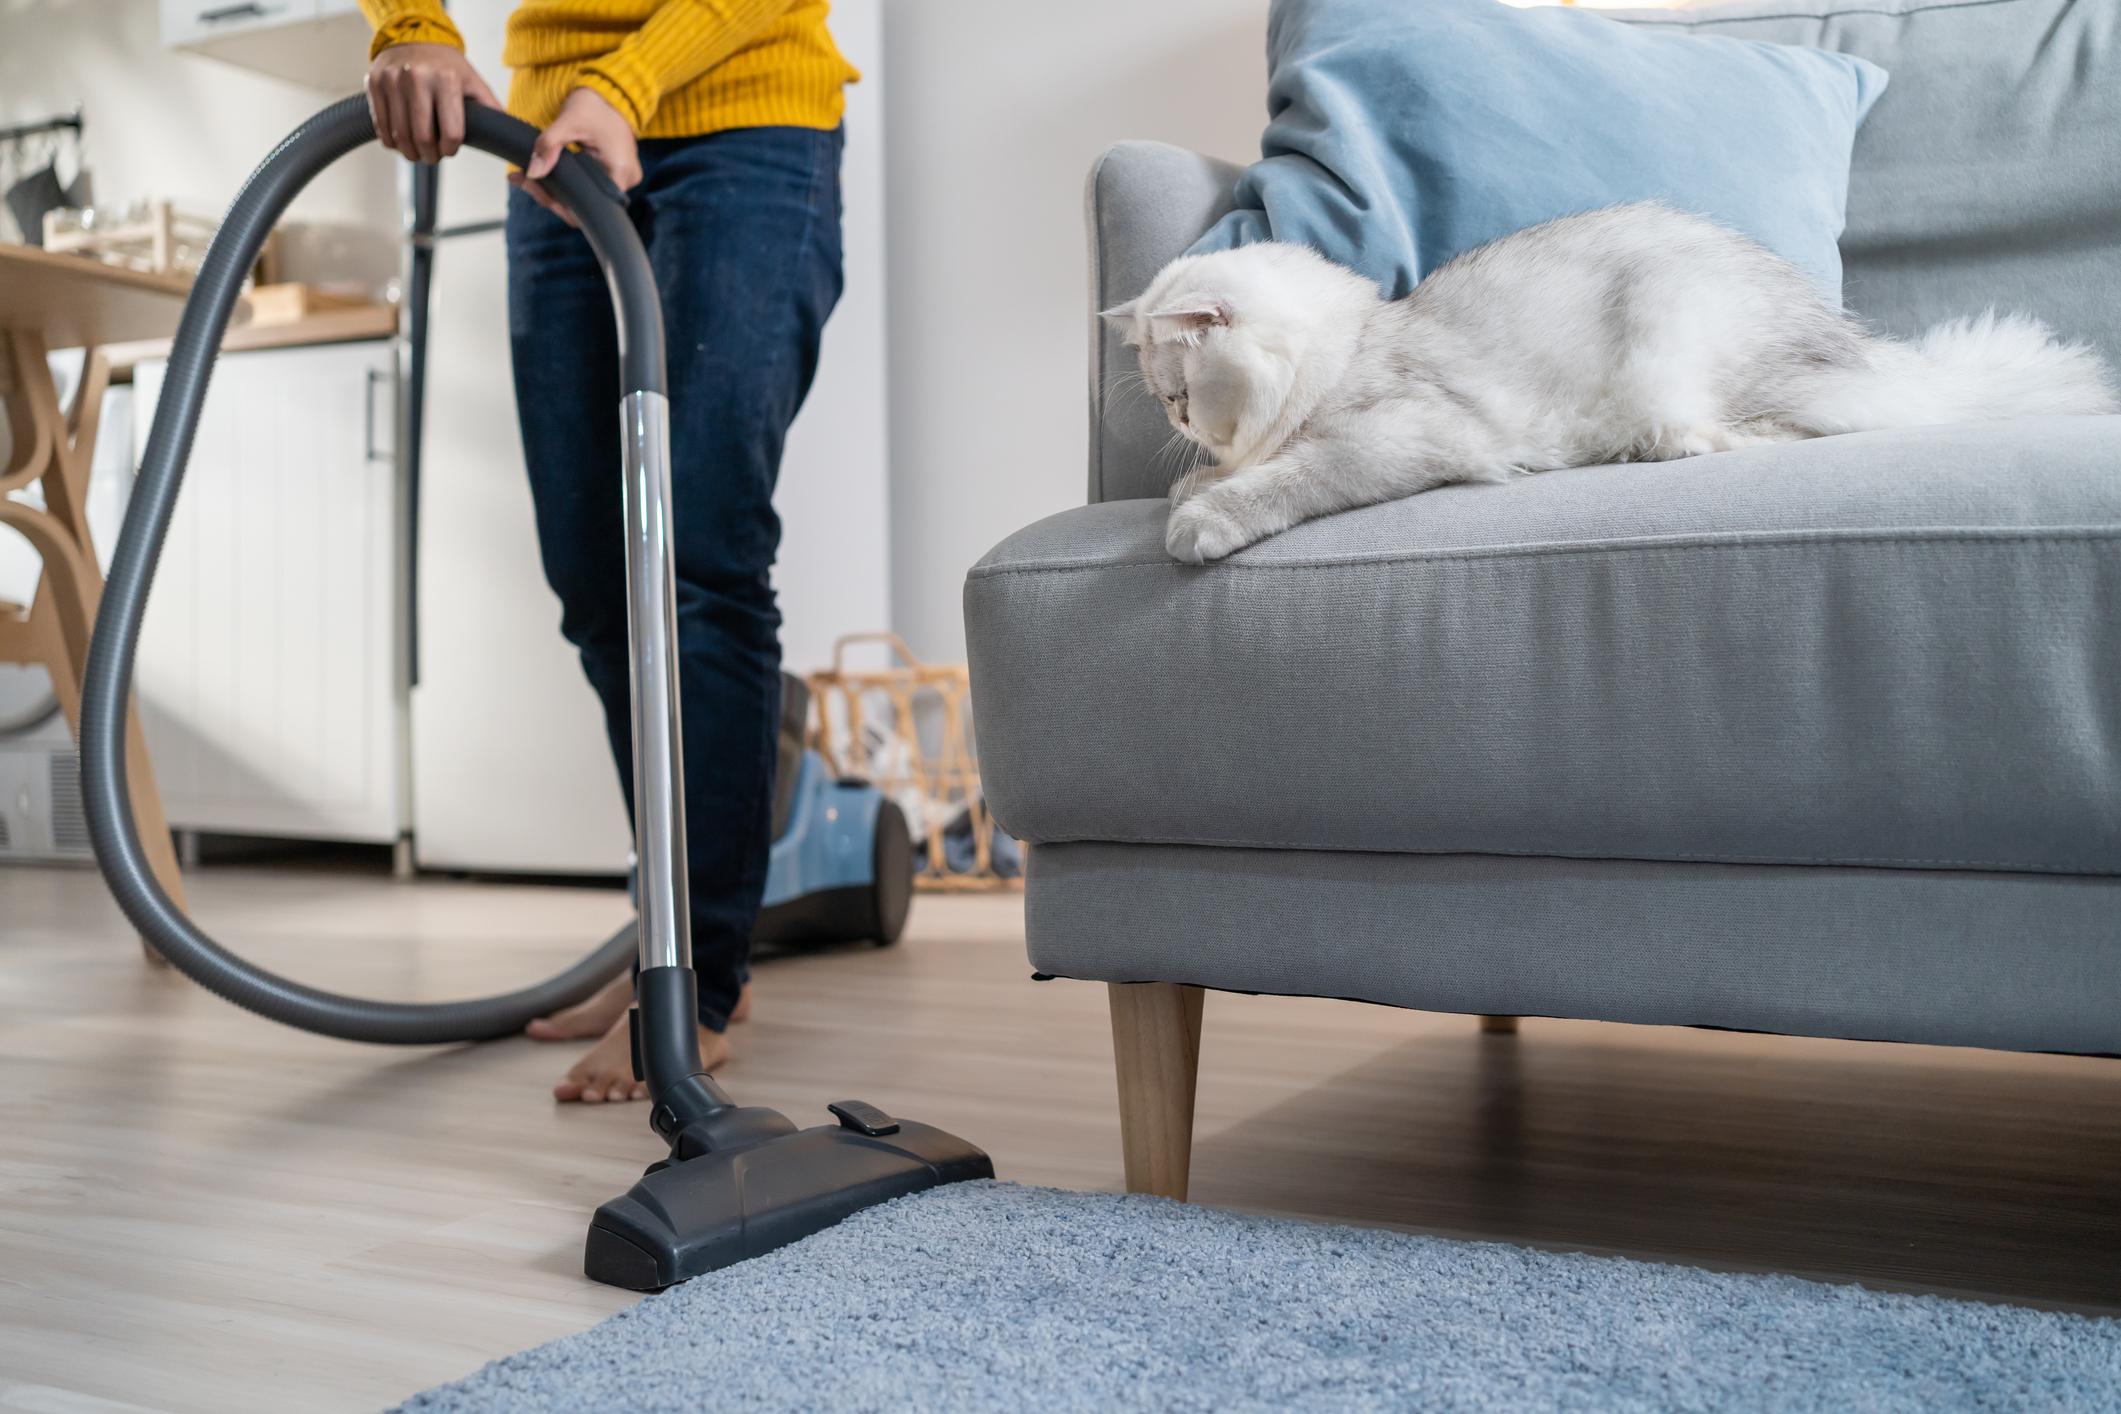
(1820, 739)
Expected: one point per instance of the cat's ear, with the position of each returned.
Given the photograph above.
(1192, 315)
(1120, 313)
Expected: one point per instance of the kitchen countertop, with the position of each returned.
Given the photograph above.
(131, 315)
(70, 301)
(330, 326)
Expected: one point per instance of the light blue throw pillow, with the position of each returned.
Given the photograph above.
(1402, 132)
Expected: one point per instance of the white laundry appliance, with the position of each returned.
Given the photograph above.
(510, 771)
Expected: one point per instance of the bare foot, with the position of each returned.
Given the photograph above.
(602, 1011)
(606, 1073)
(586, 1019)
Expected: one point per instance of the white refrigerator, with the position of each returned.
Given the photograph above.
(510, 772)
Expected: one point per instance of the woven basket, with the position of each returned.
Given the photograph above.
(906, 729)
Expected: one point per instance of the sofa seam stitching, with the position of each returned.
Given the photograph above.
(2097, 538)
(1097, 336)
(1901, 14)
(1674, 856)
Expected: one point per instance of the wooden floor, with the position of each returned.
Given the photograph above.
(199, 1210)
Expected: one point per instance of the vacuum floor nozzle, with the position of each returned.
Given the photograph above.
(698, 1214)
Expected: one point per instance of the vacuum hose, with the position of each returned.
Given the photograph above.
(107, 682)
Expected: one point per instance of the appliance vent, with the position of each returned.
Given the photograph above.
(69, 819)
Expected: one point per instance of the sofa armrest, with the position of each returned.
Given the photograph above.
(1144, 204)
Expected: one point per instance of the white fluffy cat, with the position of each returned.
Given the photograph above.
(1633, 333)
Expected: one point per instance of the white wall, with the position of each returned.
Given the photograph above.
(168, 124)
(995, 113)
(834, 493)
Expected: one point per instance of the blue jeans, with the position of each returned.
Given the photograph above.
(743, 229)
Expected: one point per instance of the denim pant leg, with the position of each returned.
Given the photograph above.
(743, 232)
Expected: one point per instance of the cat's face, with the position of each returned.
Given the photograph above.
(1220, 338)
(1195, 364)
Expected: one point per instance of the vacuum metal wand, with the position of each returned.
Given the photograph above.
(651, 625)
(665, 1025)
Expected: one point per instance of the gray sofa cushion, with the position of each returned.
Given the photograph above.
(1891, 649)
(1989, 173)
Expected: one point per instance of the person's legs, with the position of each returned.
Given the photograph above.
(564, 347)
(743, 230)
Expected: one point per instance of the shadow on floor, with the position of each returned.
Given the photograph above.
(1893, 1166)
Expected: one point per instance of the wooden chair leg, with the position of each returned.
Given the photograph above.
(54, 449)
(1498, 1026)
(1156, 1045)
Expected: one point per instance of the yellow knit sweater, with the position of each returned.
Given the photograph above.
(674, 68)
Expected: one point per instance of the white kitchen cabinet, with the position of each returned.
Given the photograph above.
(323, 43)
(270, 674)
(187, 22)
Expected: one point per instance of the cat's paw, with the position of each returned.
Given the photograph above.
(1197, 533)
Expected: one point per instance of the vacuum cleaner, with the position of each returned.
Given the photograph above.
(841, 867)
(739, 1179)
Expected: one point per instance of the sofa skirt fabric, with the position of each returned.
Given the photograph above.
(2012, 961)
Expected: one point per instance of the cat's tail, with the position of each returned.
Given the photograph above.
(1968, 370)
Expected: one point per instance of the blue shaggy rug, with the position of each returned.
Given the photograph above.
(991, 1296)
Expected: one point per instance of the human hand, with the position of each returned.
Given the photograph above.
(588, 121)
(416, 95)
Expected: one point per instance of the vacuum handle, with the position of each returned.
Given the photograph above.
(586, 190)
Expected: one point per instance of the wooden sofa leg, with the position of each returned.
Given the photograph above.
(1156, 1045)
(1498, 1025)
